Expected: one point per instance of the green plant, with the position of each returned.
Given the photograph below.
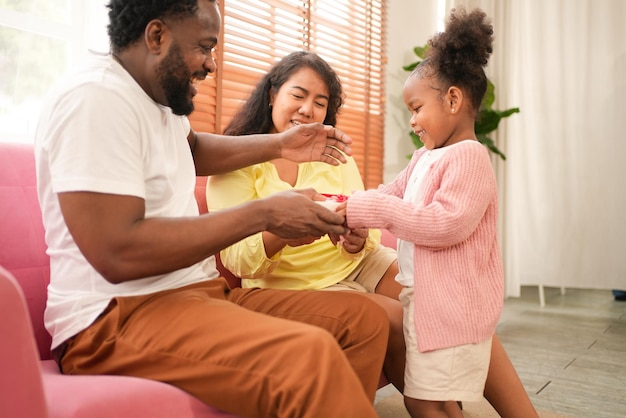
(488, 118)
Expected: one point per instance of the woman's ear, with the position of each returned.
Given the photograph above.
(272, 94)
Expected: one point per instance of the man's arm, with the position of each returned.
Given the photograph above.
(215, 154)
(122, 245)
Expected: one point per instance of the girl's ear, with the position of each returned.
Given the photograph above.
(454, 99)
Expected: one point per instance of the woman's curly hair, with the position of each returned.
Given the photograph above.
(128, 18)
(255, 115)
(458, 55)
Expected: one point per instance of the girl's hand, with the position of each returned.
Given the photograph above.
(354, 240)
(342, 209)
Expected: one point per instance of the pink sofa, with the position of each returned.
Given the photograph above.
(31, 385)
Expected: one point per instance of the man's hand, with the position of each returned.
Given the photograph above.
(354, 240)
(294, 215)
(315, 142)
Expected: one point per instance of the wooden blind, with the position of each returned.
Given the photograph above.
(348, 34)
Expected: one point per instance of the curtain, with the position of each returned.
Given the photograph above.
(349, 35)
(563, 63)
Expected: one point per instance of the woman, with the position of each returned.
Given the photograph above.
(303, 88)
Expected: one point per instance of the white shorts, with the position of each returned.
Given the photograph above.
(450, 374)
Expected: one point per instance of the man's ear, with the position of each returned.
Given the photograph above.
(155, 34)
(454, 99)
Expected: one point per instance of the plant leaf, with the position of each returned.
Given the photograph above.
(508, 112)
(420, 51)
(489, 97)
(410, 67)
(416, 140)
(489, 119)
(488, 142)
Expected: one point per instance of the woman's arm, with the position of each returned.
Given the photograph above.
(248, 258)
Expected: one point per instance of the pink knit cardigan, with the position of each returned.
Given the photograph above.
(457, 263)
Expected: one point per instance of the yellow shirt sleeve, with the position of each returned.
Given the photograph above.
(314, 266)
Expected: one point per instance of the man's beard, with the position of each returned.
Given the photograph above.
(175, 79)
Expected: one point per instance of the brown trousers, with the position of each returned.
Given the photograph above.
(251, 352)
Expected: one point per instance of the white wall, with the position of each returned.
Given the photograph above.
(561, 187)
(410, 23)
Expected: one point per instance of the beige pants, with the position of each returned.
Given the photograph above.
(368, 273)
(252, 352)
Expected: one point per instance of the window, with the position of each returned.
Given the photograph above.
(39, 40)
(349, 35)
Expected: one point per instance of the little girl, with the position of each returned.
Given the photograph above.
(443, 209)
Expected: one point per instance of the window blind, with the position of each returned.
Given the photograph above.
(349, 35)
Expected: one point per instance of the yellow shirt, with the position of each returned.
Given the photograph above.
(313, 266)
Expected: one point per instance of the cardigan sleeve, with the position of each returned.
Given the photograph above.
(457, 191)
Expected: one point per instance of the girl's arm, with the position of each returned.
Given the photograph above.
(455, 196)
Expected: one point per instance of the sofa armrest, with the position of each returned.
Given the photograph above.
(88, 396)
(21, 388)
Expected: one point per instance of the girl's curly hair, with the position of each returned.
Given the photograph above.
(458, 55)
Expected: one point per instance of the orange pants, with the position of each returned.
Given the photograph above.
(251, 352)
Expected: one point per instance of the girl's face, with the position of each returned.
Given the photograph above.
(431, 114)
(303, 98)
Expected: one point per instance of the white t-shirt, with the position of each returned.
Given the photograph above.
(100, 132)
(412, 194)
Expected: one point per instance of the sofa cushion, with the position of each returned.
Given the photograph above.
(22, 242)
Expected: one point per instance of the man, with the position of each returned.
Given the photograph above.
(134, 289)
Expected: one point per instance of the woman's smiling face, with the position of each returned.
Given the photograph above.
(303, 98)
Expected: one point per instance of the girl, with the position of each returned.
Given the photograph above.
(302, 88)
(443, 209)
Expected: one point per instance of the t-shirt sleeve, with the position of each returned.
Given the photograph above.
(96, 149)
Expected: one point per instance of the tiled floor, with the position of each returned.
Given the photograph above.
(570, 354)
